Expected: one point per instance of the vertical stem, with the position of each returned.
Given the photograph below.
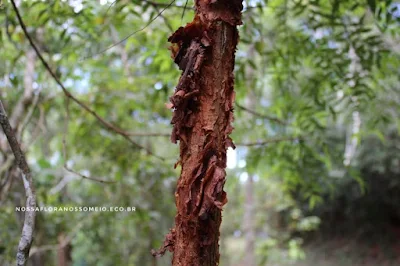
(64, 250)
(29, 221)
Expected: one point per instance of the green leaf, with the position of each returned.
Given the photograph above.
(44, 164)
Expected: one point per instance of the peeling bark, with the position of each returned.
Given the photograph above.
(203, 112)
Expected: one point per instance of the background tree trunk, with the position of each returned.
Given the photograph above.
(203, 112)
(64, 251)
(249, 224)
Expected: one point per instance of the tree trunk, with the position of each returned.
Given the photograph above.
(249, 224)
(203, 112)
(249, 205)
(64, 251)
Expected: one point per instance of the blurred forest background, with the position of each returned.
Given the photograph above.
(315, 177)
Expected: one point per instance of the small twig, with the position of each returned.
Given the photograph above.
(184, 9)
(61, 184)
(66, 127)
(40, 127)
(65, 151)
(29, 115)
(123, 53)
(102, 121)
(9, 36)
(5, 165)
(87, 177)
(135, 134)
(268, 141)
(130, 35)
(274, 119)
(154, 3)
(29, 221)
(7, 181)
(248, 8)
(109, 7)
(167, 23)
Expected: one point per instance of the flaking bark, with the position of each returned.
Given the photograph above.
(203, 112)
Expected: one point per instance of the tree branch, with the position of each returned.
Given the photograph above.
(28, 116)
(157, 4)
(274, 119)
(137, 134)
(7, 181)
(65, 151)
(131, 34)
(268, 141)
(29, 221)
(102, 121)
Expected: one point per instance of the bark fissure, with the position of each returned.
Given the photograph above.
(203, 112)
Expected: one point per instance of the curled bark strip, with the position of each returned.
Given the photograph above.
(203, 112)
(168, 245)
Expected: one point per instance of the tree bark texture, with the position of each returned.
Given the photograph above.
(203, 112)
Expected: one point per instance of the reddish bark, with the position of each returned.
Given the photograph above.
(64, 251)
(203, 113)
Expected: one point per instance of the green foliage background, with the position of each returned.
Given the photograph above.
(304, 70)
